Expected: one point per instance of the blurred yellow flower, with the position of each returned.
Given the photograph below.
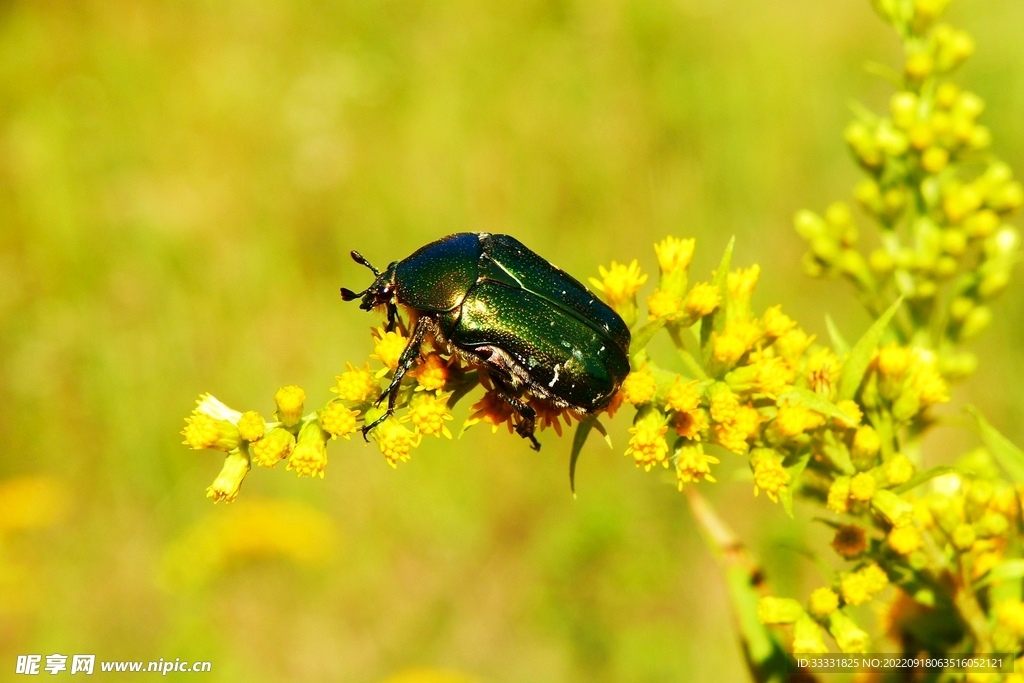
(776, 323)
(862, 486)
(849, 541)
(905, 539)
(823, 602)
(794, 419)
(692, 464)
(769, 474)
(32, 502)
(430, 676)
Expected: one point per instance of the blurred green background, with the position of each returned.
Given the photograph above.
(180, 183)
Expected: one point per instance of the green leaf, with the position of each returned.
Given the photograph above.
(860, 357)
(1008, 455)
(794, 472)
(927, 475)
(716, 319)
(814, 401)
(840, 345)
(642, 337)
(578, 440)
(1007, 570)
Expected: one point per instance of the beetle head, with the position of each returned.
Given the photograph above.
(380, 292)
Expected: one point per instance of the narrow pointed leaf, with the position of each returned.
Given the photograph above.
(861, 354)
(927, 475)
(642, 337)
(814, 401)
(794, 471)
(1004, 571)
(578, 440)
(1007, 454)
(716, 319)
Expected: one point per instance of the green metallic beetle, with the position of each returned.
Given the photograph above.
(533, 328)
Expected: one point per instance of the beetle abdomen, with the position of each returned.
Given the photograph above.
(560, 355)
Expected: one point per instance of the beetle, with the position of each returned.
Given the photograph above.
(535, 329)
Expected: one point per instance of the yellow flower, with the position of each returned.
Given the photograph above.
(866, 442)
(793, 344)
(203, 431)
(822, 371)
(338, 420)
(851, 409)
(289, 402)
(823, 602)
(228, 483)
(849, 541)
(309, 457)
(548, 415)
(893, 360)
(647, 445)
(772, 610)
(748, 421)
(682, 396)
(428, 413)
(862, 486)
(692, 464)
(930, 385)
(729, 437)
(702, 299)
(251, 426)
(727, 348)
(674, 253)
(273, 447)
(639, 387)
(769, 474)
(357, 384)
(394, 440)
(849, 637)
(862, 585)
(723, 404)
(32, 502)
(963, 537)
(808, 637)
(432, 375)
(741, 282)
(690, 424)
(839, 495)
(776, 323)
(899, 470)
(1010, 614)
(774, 375)
(905, 539)
(492, 409)
(663, 303)
(388, 348)
(619, 282)
(794, 419)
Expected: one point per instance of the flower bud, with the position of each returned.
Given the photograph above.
(289, 401)
(919, 66)
(808, 636)
(946, 94)
(229, 482)
(849, 637)
(273, 447)
(963, 537)
(251, 426)
(976, 322)
(772, 610)
(890, 140)
(934, 159)
(903, 106)
(993, 284)
(981, 224)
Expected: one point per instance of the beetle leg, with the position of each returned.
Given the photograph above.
(392, 316)
(527, 415)
(405, 361)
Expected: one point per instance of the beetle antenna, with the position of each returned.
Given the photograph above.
(361, 260)
(348, 295)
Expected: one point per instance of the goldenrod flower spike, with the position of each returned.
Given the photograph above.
(309, 457)
(228, 483)
(388, 349)
(647, 444)
(357, 385)
(428, 413)
(272, 448)
(289, 402)
(339, 420)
